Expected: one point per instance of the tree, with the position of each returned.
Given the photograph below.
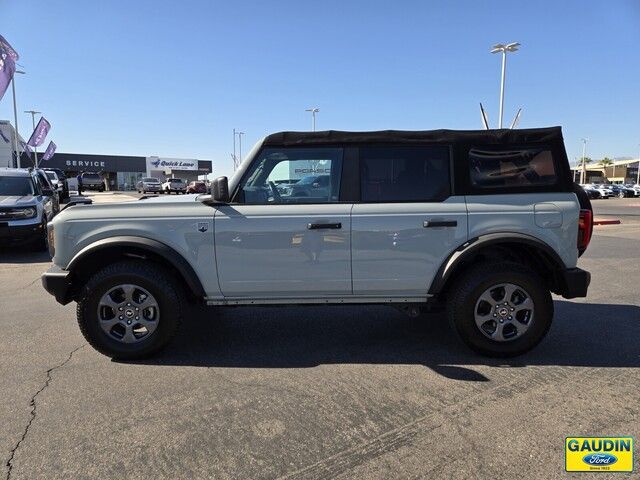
(606, 161)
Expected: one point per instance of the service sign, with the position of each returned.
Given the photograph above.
(598, 454)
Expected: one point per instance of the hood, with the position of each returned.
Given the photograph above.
(173, 206)
(16, 201)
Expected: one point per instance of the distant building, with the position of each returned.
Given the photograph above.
(120, 172)
(620, 171)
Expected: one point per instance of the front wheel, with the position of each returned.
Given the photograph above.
(130, 310)
(500, 310)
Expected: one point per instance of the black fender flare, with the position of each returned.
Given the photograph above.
(170, 255)
(471, 247)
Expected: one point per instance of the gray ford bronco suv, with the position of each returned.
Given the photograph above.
(486, 223)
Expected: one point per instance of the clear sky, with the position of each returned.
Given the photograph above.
(173, 78)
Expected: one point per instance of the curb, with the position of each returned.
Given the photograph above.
(599, 221)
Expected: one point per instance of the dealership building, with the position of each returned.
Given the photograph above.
(120, 172)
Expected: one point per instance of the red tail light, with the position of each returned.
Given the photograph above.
(585, 229)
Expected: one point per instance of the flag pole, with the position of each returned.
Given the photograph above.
(15, 121)
(33, 122)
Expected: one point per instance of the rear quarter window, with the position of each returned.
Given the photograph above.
(512, 168)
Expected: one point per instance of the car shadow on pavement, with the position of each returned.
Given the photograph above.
(588, 335)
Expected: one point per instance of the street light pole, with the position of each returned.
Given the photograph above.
(510, 47)
(33, 122)
(235, 160)
(638, 174)
(240, 145)
(15, 118)
(313, 111)
(583, 173)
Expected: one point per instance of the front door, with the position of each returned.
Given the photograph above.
(286, 234)
(407, 222)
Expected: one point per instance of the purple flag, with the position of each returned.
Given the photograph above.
(7, 69)
(8, 49)
(40, 133)
(51, 149)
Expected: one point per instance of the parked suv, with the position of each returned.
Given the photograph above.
(487, 223)
(26, 206)
(148, 184)
(92, 181)
(61, 182)
(176, 185)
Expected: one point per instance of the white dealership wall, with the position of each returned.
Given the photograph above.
(7, 139)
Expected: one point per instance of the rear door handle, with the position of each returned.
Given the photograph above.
(439, 223)
(318, 226)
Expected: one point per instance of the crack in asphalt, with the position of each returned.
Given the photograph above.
(32, 404)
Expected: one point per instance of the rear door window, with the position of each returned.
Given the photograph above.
(404, 173)
(494, 167)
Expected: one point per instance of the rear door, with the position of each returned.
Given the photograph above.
(278, 241)
(407, 222)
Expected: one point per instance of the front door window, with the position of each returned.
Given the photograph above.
(293, 176)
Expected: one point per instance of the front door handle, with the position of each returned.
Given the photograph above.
(439, 223)
(318, 226)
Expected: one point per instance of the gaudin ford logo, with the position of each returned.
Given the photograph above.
(598, 454)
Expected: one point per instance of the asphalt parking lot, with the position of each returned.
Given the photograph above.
(321, 392)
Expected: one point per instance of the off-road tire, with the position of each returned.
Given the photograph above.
(463, 294)
(157, 281)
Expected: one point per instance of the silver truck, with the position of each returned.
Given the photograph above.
(484, 223)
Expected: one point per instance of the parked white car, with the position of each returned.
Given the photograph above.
(176, 185)
(635, 188)
(605, 191)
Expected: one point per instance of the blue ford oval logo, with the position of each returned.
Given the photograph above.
(599, 459)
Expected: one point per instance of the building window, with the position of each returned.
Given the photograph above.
(128, 180)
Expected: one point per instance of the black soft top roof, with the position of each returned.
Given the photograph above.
(503, 136)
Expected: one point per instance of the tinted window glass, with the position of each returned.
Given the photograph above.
(516, 167)
(293, 175)
(404, 174)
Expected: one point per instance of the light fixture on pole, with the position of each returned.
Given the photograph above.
(313, 111)
(583, 172)
(15, 118)
(501, 48)
(33, 122)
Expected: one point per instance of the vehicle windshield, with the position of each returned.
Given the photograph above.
(150, 180)
(16, 186)
(52, 175)
(91, 176)
(175, 180)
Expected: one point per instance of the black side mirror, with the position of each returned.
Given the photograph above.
(47, 192)
(220, 190)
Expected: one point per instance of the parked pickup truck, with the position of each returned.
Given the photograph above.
(486, 223)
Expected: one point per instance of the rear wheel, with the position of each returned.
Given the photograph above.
(500, 310)
(130, 310)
